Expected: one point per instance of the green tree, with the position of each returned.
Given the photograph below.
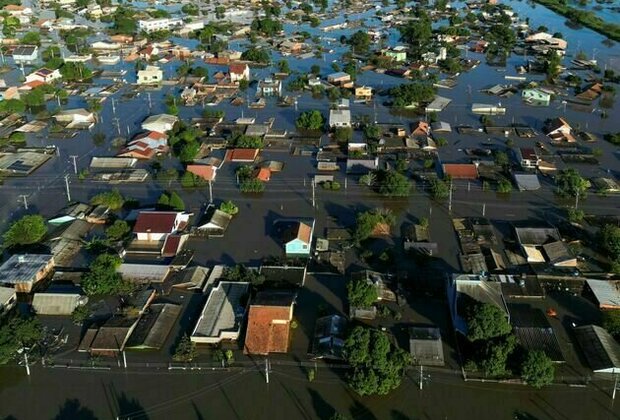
(310, 120)
(117, 230)
(501, 159)
(112, 199)
(486, 321)
(610, 241)
(495, 356)
(31, 38)
(412, 93)
(256, 55)
(185, 350)
(103, 279)
(504, 186)
(72, 72)
(343, 134)
(611, 322)
(537, 369)
(190, 180)
(368, 221)
(439, 189)
(229, 207)
(361, 293)
(28, 230)
(80, 314)
(360, 42)
(176, 202)
(252, 185)
(15, 334)
(571, 184)
(284, 67)
(12, 106)
(393, 184)
(378, 366)
(553, 65)
(240, 272)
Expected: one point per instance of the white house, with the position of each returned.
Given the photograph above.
(536, 95)
(154, 226)
(75, 118)
(151, 75)
(43, 75)
(239, 72)
(162, 24)
(160, 123)
(270, 87)
(25, 54)
(339, 118)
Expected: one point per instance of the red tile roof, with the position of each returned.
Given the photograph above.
(171, 246)
(237, 68)
(206, 172)
(241, 155)
(155, 222)
(268, 329)
(460, 170)
(263, 174)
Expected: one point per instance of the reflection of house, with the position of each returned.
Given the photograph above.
(298, 239)
(269, 321)
(23, 271)
(425, 346)
(151, 75)
(223, 313)
(329, 336)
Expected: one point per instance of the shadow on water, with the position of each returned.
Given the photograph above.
(72, 409)
(399, 415)
(322, 409)
(360, 411)
(523, 415)
(130, 408)
(199, 415)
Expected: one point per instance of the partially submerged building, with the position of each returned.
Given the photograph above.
(23, 271)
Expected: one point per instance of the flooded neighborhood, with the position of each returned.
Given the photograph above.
(332, 209)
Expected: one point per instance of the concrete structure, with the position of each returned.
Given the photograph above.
(160, 122)
(222, 315)
(161, 24)
(23, 271)
(536, 95)
(270, 87)
(43, 75)
(151, 75)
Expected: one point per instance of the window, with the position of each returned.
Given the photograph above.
(304, 246)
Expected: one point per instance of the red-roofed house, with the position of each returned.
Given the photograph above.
(157, 225)
(420, 129)
(146, 146)
(460, 170)
(241, 155)
(269, 320)
(558, 129)
(263, 174)
(239, 72)
(206, 172)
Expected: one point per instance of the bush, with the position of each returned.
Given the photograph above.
(112, 199)
(185, 350)
(118, 230)
(504, 186)
(537, 369)
(252, 186)
(331, 185)
(229, 207)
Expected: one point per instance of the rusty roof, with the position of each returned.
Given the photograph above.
(268, 329)
(460, 170)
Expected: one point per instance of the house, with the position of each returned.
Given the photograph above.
(262, 174)
(159, 123)
(78, 118)
(362, 166)
(460, 170)
(44, 75)
(425, 346)
(57, 303)
(398, 53)
(339, 118)
(559, 130)
(23, 271)
(269, 320)
(591, 92)
(420, 129)
(329, 336)
(298, 239)
(161, 24)
(222, 316)
(606, 293)
(106, 46)
(25, 54)
(535, 95)
(533, 240)
(146, 146)
(110, 338)
(238, 72)
(528, 159)
(379, 281)
(153, 327)
(151, 75)
(600, 348)
(339, 78)
(157, 225)
(206, 172)
(8, 298)
(242, 155)
(214, 221)
(269, 87)
(363, 93)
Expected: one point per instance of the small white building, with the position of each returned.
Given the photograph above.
(159, 123)
(43, 75)
(157, 225)
(25, 54)
(239, 72)
(339, 118)
(151, 75)
(162, 24)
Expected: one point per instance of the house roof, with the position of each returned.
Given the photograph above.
(460, 170)
(557, 123)
(113, 334)
(599, 348)
(23, 268)
(329, 335)
(607, 293)
(268, 323)
(223, 311)
(206, 172)
(155, 222)
(241, 155)
(154, 326)
(6, 294)
(56, 303)
(237, 68)
(299, 230)
(425, 345)
(537, 235)
(263, 174)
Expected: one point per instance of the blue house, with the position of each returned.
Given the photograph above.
(298, 239)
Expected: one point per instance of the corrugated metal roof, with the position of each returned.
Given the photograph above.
(57, 303)
(606, 292)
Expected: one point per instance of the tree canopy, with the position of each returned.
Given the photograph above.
(28, 230)
(257, 55)
(310, 120)
(570, 183)
(393, 184)
(112, 199)
(378, 366)
(367, 222)
(537, 369)
(103, 279)
(361, 293)
(412, 93)
(486, 321)
(118, 230)
(18, 332)
(242, 273)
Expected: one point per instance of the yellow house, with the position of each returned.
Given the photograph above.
(363, 93)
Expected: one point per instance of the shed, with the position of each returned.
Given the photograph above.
(57, 303)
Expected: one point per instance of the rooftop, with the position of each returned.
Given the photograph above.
(23, 268)
(223, 311)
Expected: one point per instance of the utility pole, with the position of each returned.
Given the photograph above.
(313, 194)
(450, 202)
(421, 384)
(613, 395)
(67, 186)
(148, 94)
(267, 371)
(210, 193)
(28, 366)
(484, 209)
(124, 359)
(24, 197)
(576, 200)
(113, 107)
(74, 157)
